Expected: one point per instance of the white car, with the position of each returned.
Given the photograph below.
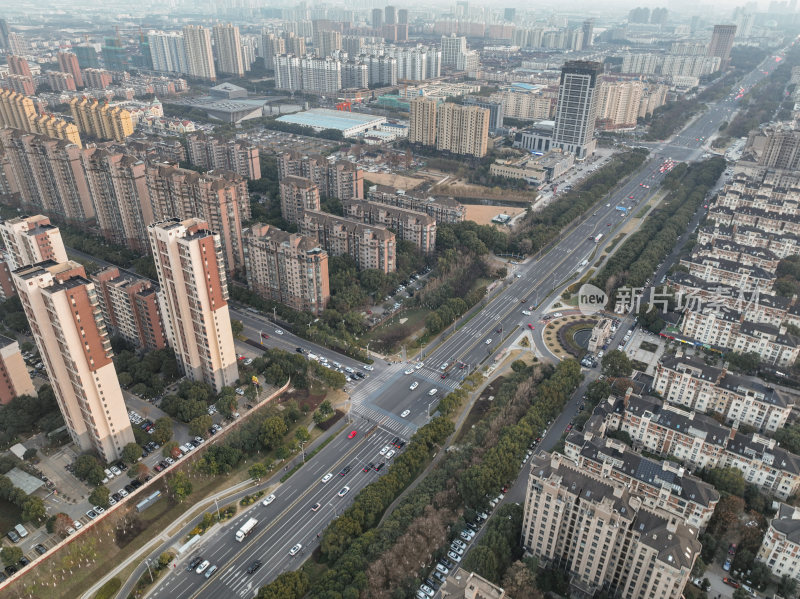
(427, 590)
(433, 392)
(460, 544)
(77, 524)
(202, 567)
(296, 549)
(278, 332)
(239, 391)
(489, 341)
(467, 534)
(419, 365)
(442, 569)
(327, 477)
(451, 555)
(384, 450)
(405, 413)
(115, 470)
(557, 315)
(268, 499)
(414, 385)
(456, 549)
(369, 368)
(343, 491)
(409, 371)
(390, 454)
(526, 312)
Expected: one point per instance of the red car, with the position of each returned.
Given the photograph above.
(531, 327)
(630, 197)
(731, 582)
(352, 434)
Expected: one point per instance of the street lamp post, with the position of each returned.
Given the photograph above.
(303, 451)
(147, 561)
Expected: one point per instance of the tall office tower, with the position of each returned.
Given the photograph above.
(287, 72)
(287, 268)
(272, 45)
(68, 63)
(576, 107)
(101, 120)
(229, 49)
(31, 239)
(422, 124)
(390, 15)
(168, 52)
(294, 44)
(191, 273)
(509, 14)
(14, 377)
(219, 198)
(722, 42)
(327, 42)
(321, 75)
(199, 57)
(130, 308)
(603, 536)
(62, 309)
(19, 66)
(377, 18)
(462, 129)
(402, 25)
(452, 47)
(4, 34)
(298, 194)
(588, 34)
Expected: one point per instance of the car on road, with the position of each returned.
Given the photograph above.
(248, 361)
(345, 470)
(384, 450)
(405, 413)
(527, 312)
(379, 466)
(268, 499)
(327, 477)
(531, 327)
(278, 332)
(194, 563)
(316, 506)
(489, 341)
(414, 385)
(557, 315)
(419, 365)
(343, 491)
(409, 371)
(368, 467)
(390, 454)
(433, 392)
(352, 434)
(202, 567)
(296, 549)
(253, 567)
(211, 571)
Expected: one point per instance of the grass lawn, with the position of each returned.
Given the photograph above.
(393, 332)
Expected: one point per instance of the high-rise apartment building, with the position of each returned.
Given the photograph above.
(272, 45)
(422, 123)
(287, 72)
(229, 49)
(295, 44)
(462, 129)
(190, 266)
(722, 42)
(97, 78)
(327, 42)
(62, 309)
(101, 120)
(377, 18)
(60, 82)
(370, 246)
(402, 25)
(31, 239)
(286, 268)
(320, 75)
(14, 377)
(382, 70)
(199, 56)
(208, 152)
(16, 111)
(588, 34)
(605, 538)
(417, 227)
(390, 15)
(17, 65)
(576, 107)
(168, 51)
(130, 308)
(355, 75)
(4, 31)
(340, 179)
(22, 84)
(452, 47)
(298, 194)
(68, 63)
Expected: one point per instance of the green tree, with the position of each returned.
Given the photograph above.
(180, 487)
(726, 480)
(88, 468)
(257, 471)
(787, 587)
(99, 496)
(165, 559)
(302, 435)
(200, 425)
(288, 585)
(10, 555)
(237, 327)
(168, 448)
(131, 453)
(741, 594)
(617, 364)
(272, 432)
(163, 430)
(33, 509)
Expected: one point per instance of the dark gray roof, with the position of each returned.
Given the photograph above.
(753, 446)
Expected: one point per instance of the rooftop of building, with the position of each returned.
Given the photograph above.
(279, 236)
(331, 119)
(787, 522)
(461, 584)
(670, 417)
(349, 224)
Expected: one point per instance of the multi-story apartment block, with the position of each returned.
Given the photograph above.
(220, 199)
(31, 239)
(690, 382)
(97, 78)
(780, 548)
(355, 75)
(618, 103)
(60, 82)
(699, 441)
(62, 309)
(17, 65)
(190, 265)
(526, 103)
(199, 56)
(15, 380)
(298, 194)
(101, 120)
(340, 179)
(272, 45)
(462, 129)
(320, 75)
(68, 63)
(410, 225)
(660, 485)
(737, 253)
(7, 289)
(209, 153)
(726, 328)
(22, 84)
(422, 123)
(168, 51)
(287, 72)
(443, 210)
(780, 245)
(286, 268)
(370, 246)
(716, 269)
(603, 536)
(130, 308)
(228, 45)
(19, 112)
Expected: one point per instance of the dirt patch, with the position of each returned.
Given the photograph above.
(303, 397)
(483, 215)
(459, 188)
(396, 181)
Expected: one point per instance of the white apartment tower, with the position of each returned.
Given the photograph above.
(168, 51)
(31, 239)
(194, 289)
(199, 57)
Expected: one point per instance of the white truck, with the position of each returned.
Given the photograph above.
(246, 529)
